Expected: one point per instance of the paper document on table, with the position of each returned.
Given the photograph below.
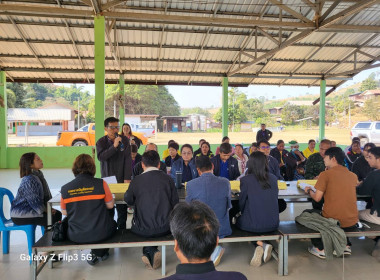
(110, 180)
(304, 185)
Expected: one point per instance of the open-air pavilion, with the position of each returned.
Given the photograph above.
(221, 43)
(320, 43)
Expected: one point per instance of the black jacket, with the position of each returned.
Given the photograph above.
(258, 206)
(137, 170)
(361, 168)
(233, 167)
(168, 160)
(266, 135)
(113, 161)
(371, 186)
(154, 196)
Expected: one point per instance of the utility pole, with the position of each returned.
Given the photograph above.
(349, 114)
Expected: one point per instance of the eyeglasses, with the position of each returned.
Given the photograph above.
(113, 127)
(264, 147)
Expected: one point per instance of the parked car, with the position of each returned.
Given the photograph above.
(146, 129)
(367, 132)
(85, 136)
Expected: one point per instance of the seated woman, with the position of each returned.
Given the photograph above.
(88, 204)
(185, 165)
(127, 131)
(241, 158)
(29, 206)
(258, 202)
(173, 154)
(205, 150)
(225, 139)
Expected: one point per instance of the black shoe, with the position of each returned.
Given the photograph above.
(105, 256)
(94, 260)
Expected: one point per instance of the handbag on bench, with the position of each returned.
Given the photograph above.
(59, 230)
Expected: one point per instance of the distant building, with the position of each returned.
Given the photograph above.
(39, 122)
(361, 97)
(174, 123)
(275, 110)
(141, 119)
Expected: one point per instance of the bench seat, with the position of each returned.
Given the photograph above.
(292, 230)
(125, 238)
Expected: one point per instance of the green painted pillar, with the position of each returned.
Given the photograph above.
(99, 34)
(225, 107)
(121, 96)
(322, 110)
(3, 121)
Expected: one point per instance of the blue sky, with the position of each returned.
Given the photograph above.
(206, 97)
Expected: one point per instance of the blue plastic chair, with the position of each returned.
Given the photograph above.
(7, 225)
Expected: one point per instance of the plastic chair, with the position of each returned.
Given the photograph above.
(7, 225)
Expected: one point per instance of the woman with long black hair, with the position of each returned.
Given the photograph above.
(258, 202)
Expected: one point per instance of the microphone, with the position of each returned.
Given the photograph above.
(121, 145)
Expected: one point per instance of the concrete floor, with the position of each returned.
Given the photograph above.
(126, 263)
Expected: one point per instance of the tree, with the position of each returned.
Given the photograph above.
(236, 113)
(368, 84)
(290, 113)
(195, 110)
(372, 108)
(11, 98)
(20, 93)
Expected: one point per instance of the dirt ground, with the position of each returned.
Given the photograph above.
(341, 136)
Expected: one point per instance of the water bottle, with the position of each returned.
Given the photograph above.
(178, 179)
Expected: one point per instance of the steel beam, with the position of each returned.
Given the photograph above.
(290, 11)
(121, 99)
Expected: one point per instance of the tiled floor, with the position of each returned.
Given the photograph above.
(126, 263)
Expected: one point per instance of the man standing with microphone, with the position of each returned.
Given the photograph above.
(114, 154)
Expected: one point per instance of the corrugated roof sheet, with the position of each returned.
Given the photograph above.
(183, 47)
(23, 114)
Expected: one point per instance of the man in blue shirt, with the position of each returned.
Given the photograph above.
(216, 193)
(225, 165)
(195, 229)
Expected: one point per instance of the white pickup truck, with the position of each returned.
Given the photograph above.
(145, 129)
(367, 132)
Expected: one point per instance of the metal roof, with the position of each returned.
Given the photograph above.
(22, 114)
(274, 42)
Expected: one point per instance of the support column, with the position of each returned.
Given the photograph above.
(322, 107)
(122, 99)
(225, 107)
(99, 32)
(3, 121)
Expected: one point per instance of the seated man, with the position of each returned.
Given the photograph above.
(195, 229)
(216, 193)
(361, 166)
(154, 196)
(225, 165)
(338, 187)
(137, 170)
(353, 155)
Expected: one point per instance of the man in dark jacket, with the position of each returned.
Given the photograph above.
(114, 154)
(195, 229)
(153, 194)
(225, 165)
(137, 170)
(263, 134)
